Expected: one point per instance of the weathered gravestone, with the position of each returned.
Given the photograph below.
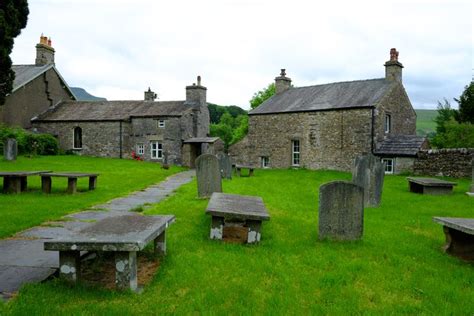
(341, 211)
(225, 165)
(368, 173)
(208, 175)
(471, 190)
(10, 149)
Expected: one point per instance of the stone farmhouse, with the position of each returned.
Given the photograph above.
(36, 88)
(326, 126)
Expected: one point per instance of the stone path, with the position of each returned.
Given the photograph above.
(23, 259)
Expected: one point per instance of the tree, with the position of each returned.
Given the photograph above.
(445, 114)
(466, 105)
(262, 95)
(13, 18)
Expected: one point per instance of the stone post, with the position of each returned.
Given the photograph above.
(368, 173)
(208, 175)
(10, 149)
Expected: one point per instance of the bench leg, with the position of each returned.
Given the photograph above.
(254, 231)
(160, 244)
(126, 270)
(46, 184)
(6, 184)
(70, 265)
(459, 243)
(250, 172)
(14, 185)
(217, 227)
(71, 185)
(24, 183)
(238, 172)
(92, 183)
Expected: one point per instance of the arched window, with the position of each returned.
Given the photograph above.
(77, 140)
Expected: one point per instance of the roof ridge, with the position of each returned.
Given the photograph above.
(338, 82)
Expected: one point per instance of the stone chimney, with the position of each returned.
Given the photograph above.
(44, 52)
(150, 95)
(196, 93)
(393, 68)
(282, 83)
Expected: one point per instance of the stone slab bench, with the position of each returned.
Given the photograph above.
(459, 234)
(430, 186)
(236, 217)
(124, 235)
(16, 181)
(238, 169)
(72, 177)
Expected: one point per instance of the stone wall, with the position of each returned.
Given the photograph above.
(454, 162)
(32, 99)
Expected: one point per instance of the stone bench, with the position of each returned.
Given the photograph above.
(16, 181)
(238, 169)
(236, 218)
(430, 186)
(124, 235)
(459, 236)
(72, 177)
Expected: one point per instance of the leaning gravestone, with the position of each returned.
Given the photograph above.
(341, 211)
(368, 173)
(225, 165)
(10, 149)
(208, 175)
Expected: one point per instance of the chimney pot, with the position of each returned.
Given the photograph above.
(283, 73)
(393, 68)
(393, 54)
(198, 80)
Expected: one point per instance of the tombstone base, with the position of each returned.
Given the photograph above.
(459, 244)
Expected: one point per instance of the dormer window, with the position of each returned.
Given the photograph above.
(161, 123)
(388, 123)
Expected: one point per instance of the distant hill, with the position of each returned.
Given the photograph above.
(425, 123)
(83, 95)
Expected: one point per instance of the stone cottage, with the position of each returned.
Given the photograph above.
(173, 132)
(326, 126)
(36, 88)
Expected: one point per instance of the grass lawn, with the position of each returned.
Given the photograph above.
(398, 267)
(425, 123)
(117, 178)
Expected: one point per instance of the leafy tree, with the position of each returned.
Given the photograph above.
(242, 128)
(13, 18)
(456, 135)
(222, 131)
(445, 114)
(262, 95)
(216, 111)
(466, 105)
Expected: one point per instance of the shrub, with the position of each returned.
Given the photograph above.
(29, 143)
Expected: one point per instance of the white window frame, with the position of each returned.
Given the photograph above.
(265, 162)
(74, 137)
(156, 150)
(389, 165)
(388, 123)
(161, 123)
(295, 152)
(140, 149)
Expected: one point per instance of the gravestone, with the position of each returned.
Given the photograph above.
(471, 189)
(341, 211)
(368, 172)
(225, 165)
(208, 175)
(10, 149)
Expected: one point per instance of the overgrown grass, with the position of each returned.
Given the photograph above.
(398, 267)
(117, 177)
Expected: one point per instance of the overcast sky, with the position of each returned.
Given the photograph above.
(118, 48)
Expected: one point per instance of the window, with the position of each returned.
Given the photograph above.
(77, 138)
(295, 152)
(161, 123)
(388, 163)
(388, 123)
(265, 162)
(140, 149)
(156, 150)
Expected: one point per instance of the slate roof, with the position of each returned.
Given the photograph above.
(401, 145)
(331, 96)
(27, 73)
(111, 110)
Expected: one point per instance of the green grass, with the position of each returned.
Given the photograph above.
(424, 122)
(117, 178)
(397, 268)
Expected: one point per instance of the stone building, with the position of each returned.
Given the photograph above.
(36, 88)
(327, 126)
(153, 130)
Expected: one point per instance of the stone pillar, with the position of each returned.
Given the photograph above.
(10, 149)
(71, 185)
(341, 211)
(217, 227)
(225, 165)
(160, 244)
(208, 175)
(368, 173)
(254, 231)
(126, 270)
(70, 265)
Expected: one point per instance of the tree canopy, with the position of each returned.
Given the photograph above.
(262, 95)
(13, 18)
(466, 105)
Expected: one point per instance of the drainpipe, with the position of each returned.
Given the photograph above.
(120, 138)
(372, 132)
